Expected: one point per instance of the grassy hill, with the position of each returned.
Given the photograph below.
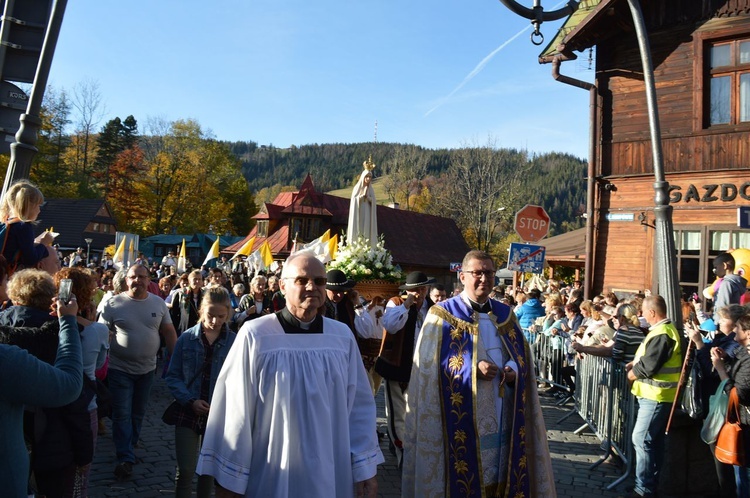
(378, 186)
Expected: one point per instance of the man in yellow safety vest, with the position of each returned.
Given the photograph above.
(654, 372)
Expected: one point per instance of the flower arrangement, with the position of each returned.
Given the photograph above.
(359, 261)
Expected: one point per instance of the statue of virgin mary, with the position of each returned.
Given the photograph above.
(363, 208)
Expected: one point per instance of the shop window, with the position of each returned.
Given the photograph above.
(159, 251)
(688, 247)
(728, 65)
(697, 246)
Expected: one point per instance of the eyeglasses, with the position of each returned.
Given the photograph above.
(480, 273)
(303, 281)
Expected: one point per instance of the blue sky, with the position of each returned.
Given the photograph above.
(292, 72)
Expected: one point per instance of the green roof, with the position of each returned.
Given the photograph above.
(585, 7)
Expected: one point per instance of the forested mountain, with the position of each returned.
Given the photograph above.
(556, 181)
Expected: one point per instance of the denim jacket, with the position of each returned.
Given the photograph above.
(187, 360)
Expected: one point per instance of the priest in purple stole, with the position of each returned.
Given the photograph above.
(474, 424)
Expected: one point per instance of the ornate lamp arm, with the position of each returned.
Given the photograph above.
(538, 15)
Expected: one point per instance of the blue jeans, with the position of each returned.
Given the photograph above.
(129, 398)
(742, 480)
(648, 440)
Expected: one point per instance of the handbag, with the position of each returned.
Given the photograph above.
(173, 411)
(692, 397)
(730, 448)
(717, 412)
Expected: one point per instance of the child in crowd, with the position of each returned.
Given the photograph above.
(19, 209)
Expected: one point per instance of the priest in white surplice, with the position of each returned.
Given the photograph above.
(292, 412)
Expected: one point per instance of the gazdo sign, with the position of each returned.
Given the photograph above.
(712, 192)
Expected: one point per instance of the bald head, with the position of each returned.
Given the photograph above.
(50, 264)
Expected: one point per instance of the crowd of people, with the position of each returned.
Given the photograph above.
(562, 328)
(274, 374)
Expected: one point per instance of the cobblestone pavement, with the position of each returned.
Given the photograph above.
(153, 475)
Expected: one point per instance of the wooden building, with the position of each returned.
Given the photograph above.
(77, 220)
(416, 241)
(701, 59)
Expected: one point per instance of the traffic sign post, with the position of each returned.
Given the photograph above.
(526, 258)
(532, 223)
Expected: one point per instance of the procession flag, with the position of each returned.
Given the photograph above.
(265, 253)
(261, 258)
(317, 244)
(182, 259)
(213, 253)
(333, 247)
(119, 258)
(131, 253)
(246, 249)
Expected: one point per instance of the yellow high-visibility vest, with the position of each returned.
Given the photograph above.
(662, 387)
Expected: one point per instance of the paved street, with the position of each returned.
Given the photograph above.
(153, 476)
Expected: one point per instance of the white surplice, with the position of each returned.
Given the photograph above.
(292, 414)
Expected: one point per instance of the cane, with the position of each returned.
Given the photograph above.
(681, 383)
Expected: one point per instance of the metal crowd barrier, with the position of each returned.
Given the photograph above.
(604, 402)
(550, 355)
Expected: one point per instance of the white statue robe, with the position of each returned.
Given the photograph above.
(363, 209)
(292, 414)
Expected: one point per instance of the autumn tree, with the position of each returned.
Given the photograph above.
(481, 190)
(115, 137)
(404, 173)
(190, 180)
(126, 172)
(48, 169)
(87, 102)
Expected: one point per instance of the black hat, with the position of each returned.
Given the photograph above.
(416, 279)
(337, 281)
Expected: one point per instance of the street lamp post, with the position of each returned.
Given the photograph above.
(88, 250)
(666, 263)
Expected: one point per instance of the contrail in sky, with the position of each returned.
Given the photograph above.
(480, 66)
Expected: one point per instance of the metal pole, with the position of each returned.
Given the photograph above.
(588, 276)
(665, 261)
(23, 150)
(88, 250)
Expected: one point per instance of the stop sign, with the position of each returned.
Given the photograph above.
(532, 223)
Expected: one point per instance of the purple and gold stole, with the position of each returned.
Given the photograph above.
(457, 382)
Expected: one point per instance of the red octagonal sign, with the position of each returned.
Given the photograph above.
(532, 223)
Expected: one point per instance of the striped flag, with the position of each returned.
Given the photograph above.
(119, 258)
(213, 253)
(182, 259)
(261, 258)
(246, 249)
(333, 248)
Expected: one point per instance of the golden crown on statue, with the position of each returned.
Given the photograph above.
(369, 165)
